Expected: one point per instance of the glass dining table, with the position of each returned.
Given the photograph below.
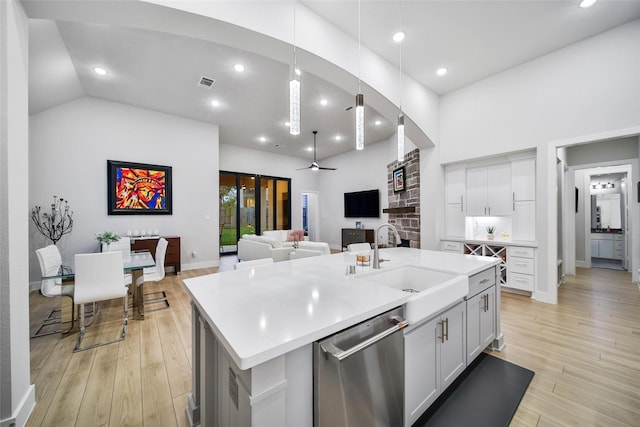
(133, 264)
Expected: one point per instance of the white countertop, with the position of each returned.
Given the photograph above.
(497, 242)
(270, 310)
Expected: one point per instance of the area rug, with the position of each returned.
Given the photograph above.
(486, 394)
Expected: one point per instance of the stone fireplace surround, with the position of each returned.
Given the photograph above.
(404, 206)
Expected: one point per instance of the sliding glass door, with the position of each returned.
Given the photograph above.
(249, 203)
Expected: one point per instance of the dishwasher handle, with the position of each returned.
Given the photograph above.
(338, 355)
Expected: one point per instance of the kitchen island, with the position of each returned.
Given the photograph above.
(253, 330)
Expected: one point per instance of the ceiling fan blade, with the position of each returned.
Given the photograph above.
(299, 169)
(328, 169)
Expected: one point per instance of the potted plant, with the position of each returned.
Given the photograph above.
(107, 238)
(490, 230)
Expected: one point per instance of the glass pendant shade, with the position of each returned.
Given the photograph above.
(294, 106)
(359, 121)
(401, 137)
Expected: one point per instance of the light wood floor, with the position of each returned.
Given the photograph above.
(585, 353)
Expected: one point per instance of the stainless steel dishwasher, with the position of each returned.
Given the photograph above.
(358, 374)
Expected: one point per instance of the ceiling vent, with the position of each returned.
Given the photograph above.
(206, 82)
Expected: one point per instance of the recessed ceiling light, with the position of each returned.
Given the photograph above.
(587, 3)
(100, 71)
(215, 103)
(377, 123)
(309, 149)
(287, 124)
(398, 37)
(338, 138)
(323, 102)
(442, 71)
(298, 72)
(239, 68)
(262, 139)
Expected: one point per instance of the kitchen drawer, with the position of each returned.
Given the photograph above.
(481, 281)
(518, 251)
(618, 245)
(618, 237)
(450, 246)
(520, 265)
(520, 281)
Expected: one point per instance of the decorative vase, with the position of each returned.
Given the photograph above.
(490, 236)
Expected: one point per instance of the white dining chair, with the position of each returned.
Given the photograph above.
(252, 263)
(123, 246)
(50, 263)
(358, 247)
(98, 277)
(153, 274)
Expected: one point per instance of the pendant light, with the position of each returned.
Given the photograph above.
(294, 87)
(359, 99)
(400, 115)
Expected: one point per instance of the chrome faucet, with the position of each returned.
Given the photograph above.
(376, 254)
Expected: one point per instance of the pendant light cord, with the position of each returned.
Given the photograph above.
(294, 37)
(400, 1)
(359, 54)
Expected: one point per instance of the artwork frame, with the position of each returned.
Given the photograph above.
(398, 180)
(151, 186)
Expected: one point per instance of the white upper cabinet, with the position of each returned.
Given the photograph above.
(489, 191)
(455, 183)
(523, 179)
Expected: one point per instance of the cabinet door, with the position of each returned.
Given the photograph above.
(595, 249)
(523, 221)
(453, 358)
(455, 220)
(499, 195)
(477, 191)
(605, 248)
(455, 185)
(488, 317)
(474, 306)
(523, 179)
(420, 371)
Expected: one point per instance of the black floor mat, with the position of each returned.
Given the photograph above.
(486, 394)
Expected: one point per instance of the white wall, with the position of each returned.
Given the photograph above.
(586, 88)
(70, 146)
(17, 395)
(240, 159)
(605, 151)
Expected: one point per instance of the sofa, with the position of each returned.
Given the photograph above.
(276, 244)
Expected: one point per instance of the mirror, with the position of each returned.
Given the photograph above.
(606, 211)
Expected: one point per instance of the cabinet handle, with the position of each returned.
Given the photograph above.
(441, 335)
(485, 210)
(489, 210)
(514, 201)
(446, 334)
(483, 281)
(521, 264)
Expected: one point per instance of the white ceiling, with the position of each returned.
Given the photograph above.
(159, 71)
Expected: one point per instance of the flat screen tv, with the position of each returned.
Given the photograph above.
(362, 204)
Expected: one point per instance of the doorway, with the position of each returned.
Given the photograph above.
(310, 216)
(251, 204)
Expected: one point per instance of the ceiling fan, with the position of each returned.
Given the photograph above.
(314, 166)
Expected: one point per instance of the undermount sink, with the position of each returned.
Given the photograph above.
(431, 290)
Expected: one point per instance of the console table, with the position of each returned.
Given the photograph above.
(357, 235)
(172, 257)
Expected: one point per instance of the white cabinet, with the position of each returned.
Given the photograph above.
(489, 191)
(521, 268)
(607, 245)
(455, 194)
(523, 221)
(455, 183)
(481, 327)
(523, 183)
(523, 179)
(434, 357)
(449, 246)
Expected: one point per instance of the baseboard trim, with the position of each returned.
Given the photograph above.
(197, 265)
(21, 415)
